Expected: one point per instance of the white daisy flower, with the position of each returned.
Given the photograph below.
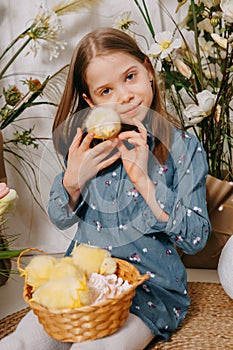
(164, 45)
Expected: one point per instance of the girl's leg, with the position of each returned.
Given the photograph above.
(134, 335)
(30, 334)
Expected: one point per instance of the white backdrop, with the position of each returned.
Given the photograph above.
(28, 219)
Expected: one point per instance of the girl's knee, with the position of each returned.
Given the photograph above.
(134, 335)
(30, 334)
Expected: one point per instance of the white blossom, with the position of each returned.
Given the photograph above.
(222, 42)
(189, 40)
(183, 68)
(164, 45)
(206, 47)
(195, 113)
(212, 71)
(206, 101)
(47, 27)
(205, 25)
(227, 9)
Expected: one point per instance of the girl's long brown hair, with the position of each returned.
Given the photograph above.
(103, 41)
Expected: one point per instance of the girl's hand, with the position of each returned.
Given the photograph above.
(84, 162)
(135, 160)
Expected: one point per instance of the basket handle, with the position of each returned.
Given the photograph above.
(141, 279)
(21, 270)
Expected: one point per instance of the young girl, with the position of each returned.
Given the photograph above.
(137, 195)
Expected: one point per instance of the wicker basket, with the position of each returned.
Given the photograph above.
(88, 322)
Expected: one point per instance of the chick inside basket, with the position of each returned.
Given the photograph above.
(86, 277)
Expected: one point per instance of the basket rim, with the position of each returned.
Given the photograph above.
(139, 280)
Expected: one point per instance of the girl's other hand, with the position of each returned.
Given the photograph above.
(135, 160)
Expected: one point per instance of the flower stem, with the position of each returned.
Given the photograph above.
(146, 17)
(197, 43)
(14, 57)
(141, 36)
(20, 36)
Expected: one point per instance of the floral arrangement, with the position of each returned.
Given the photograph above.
(45, 29)
(194, 63)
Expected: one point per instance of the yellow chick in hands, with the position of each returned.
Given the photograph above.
(38, 271)
(62, 293)
(104, 122)
(93, 259)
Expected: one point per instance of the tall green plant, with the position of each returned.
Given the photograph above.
(194, 64)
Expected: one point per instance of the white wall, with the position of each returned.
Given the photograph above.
(28, 219)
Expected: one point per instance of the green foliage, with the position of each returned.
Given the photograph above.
(197, 74)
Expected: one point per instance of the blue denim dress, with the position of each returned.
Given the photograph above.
(112, 214)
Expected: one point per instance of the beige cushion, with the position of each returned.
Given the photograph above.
(219, 195)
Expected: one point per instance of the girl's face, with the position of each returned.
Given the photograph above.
(121, 80)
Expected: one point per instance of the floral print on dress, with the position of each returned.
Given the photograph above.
(181, 159)
(168, 252)
(176, 311)
(93, 206)
(186, 135)
(133, 193)
(146, 288)
(109, 248)
(123, 227)
(151, 274)
(199, 210)
(196, 240)
(135, 257)
(163, 169)
(151, 304)
(108, 182)
(179, 239)
(98, 226)
(162, 205)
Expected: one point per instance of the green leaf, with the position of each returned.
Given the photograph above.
(8, 254)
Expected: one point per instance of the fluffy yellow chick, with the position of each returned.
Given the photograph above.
(108, 266)
(65, 267)
(104, 122)
(38, 271)
(62, 293)
(93, 259)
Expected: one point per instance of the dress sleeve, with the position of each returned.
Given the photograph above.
(58, 209)
(183, 197)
